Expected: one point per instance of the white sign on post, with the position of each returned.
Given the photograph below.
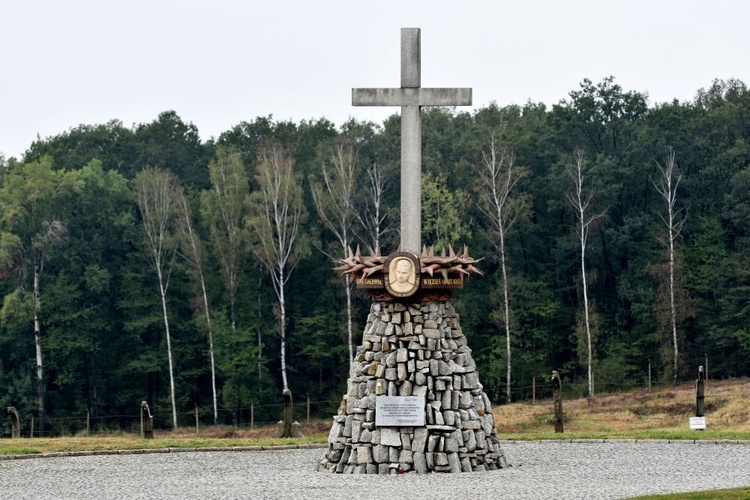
(698, 423)
(399, 411)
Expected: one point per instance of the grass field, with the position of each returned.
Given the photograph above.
(662, 413)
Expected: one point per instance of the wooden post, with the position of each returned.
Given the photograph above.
(147, 422)
(288, 412)
(533, 390)
(557, 396)
(15, 423)
(706, 365)
(308, 409)
(699, 393)
(649, 375)
(197, 429)
(31, 431)
(88, 422)
(252, 417)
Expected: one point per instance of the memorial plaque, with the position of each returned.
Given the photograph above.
(399, 411)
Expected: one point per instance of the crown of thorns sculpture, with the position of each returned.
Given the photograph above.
(453, 263)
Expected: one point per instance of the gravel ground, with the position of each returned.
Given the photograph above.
(539, 470)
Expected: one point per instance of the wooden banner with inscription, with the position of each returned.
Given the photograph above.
(403, 275)
(377, 282)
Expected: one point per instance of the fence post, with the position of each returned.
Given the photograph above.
(308, 410)
(706, 365)
(699, 393)
(288, 412)
(88, 422)
(147, 422)
(31, 431)
(15, 422)
(252, 417)
(557, 397)
(533, 390)
(196, 420)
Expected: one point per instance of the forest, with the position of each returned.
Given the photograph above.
(143, 264)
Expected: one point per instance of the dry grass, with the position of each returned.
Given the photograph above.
(727, 408)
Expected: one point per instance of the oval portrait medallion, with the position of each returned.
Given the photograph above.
(402, 274)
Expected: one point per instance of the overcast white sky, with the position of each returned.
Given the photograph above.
(218, 62)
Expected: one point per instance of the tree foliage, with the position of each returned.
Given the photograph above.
(101, 313)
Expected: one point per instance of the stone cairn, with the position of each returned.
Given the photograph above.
(414, 349)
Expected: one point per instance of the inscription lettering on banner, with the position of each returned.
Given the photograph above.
(399, 411)
(375, 282)
(442, 283)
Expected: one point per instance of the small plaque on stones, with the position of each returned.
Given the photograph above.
(399, 411)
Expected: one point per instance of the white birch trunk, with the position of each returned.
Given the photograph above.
(157, 193)
(672, 308)
(210, 350)
(38, 344)
(506, 311)
(198, 263)
(278, 214)
(349, 318)
(584, 283)
(334, 204)
(260, 339)
(282, 329)
(500, 177)
(163, 292)
(667, 188)
(580, 203)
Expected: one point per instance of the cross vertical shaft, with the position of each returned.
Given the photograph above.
(411, 97)
(411, 144)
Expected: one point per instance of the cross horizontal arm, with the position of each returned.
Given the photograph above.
(412, 97)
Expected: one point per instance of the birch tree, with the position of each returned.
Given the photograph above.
(499, 175)
(372, 215)
(580, 199)
(277, 213)
(674, 220)
(334, 204)
(195, 255)
(31, 227)
(225, 207)
(157, 193)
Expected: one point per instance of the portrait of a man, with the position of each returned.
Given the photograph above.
(401, 275)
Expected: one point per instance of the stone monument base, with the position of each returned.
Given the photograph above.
(414, 349)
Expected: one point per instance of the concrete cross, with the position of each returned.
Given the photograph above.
(411, 97)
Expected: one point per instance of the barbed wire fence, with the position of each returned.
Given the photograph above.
(539, 391)
(198, 418)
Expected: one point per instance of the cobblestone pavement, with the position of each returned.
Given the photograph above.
(539, 470)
